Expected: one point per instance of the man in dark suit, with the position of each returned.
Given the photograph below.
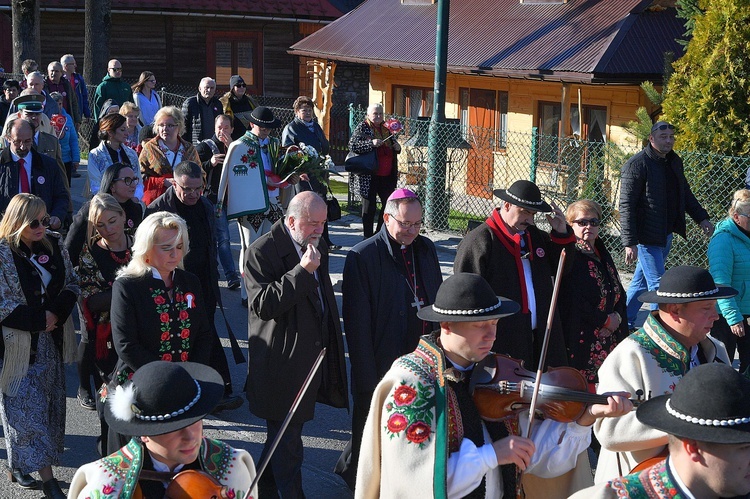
(24, 170)
(292, 316)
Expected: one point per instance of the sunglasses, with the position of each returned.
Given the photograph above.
(662, 127)
(116, 70)
(583, 222)
(44, 222)
(129, 180)
(241, 85)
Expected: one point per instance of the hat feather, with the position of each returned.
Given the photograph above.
(121, 402)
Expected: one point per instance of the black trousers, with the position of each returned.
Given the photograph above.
(218, 360)
(722, 332)
(380, 187)
(283, 476)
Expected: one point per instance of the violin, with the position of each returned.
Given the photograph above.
(504, 388)
(194, 484)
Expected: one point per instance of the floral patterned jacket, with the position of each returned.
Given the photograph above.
(116, 476)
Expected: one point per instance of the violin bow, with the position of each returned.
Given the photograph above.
(287, 419)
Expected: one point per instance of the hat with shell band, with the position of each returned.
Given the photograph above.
(711, 403)
(263, 117)
(684, 284)
(163, 397)
(524, 194)
(466, 297)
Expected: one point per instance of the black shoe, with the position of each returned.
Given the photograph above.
(228, 403)
(75, 175)
(52, 489)
(24, 480)
(244, 302)
(334, 247)
(234, 282)
(86, 401)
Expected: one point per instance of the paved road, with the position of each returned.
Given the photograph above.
(324, 437)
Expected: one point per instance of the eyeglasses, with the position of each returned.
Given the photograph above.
(408, 225)
(129, 180)
(44, 222)
(55, 71)
(663, 127)
(168, 126)
(116, 70)
(189, 190)
(241, 85)
(19, 143)
(151, 81)
(584, 222)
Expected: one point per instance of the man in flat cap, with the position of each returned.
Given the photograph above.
(707, 423)
(654, 196)
(518, 260)
(673, 340)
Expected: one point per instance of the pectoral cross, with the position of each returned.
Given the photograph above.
(417, 303)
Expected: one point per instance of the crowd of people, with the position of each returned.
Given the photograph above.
(140, 262)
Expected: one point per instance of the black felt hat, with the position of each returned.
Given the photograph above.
(467, 297)
(163, 397)
(263, 117)
(685, 283)
(524, 194)
(711, 403)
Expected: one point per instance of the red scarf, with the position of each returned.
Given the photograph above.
(512, 243)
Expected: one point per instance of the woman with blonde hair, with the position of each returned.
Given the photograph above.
(729, 264)
(131, 112)
(157, 309)
(146, 97)
(38, 290)
(165, 151)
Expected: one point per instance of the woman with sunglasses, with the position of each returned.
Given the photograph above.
(107, 249)
(158, 311)
(238, 105)
(592, 299)
(146, 97)
(38, 290)
(113, 131)
(165, 151)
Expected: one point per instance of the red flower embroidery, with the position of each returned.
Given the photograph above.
(178, 297)
(244, 158)
(164, 317)
(251, 151)
(183, 315)
(159, 300)
(396, 423)
(165, 336)
(404, 395)
(167, 357)
(253, 165)
(231, 494)
(185, 333)
(108, 489)
(184, 356)
(418, 432)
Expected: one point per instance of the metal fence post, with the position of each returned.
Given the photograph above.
(534, 153)
(352, 125)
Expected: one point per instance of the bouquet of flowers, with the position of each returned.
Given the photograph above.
(304, 159)
(394, 126)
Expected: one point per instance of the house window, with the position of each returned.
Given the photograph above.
(412, 102)
(235, 52)
(484, 109)
(594, 124)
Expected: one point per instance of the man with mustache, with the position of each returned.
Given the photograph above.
(518, 259)
(292, 316)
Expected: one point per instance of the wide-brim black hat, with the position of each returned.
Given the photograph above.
(711, 403)
(163, 397)
(467, 297)
(684, 284)
(263, 117)
(524, 194)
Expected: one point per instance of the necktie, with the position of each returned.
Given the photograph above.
(24, 177)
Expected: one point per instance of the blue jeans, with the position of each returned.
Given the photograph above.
(223, 245)
(648, 272)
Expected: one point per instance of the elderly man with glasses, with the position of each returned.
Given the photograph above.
(112, 87)
(185, 198)
(56, 82)
(654, 197)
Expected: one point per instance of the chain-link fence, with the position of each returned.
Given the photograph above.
(478, 160)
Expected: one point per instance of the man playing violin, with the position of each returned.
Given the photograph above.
(424, 436)
(164, 405)
(653, 359)
(707, 420)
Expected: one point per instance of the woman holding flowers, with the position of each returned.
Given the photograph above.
(374, 134)
(157, 310)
